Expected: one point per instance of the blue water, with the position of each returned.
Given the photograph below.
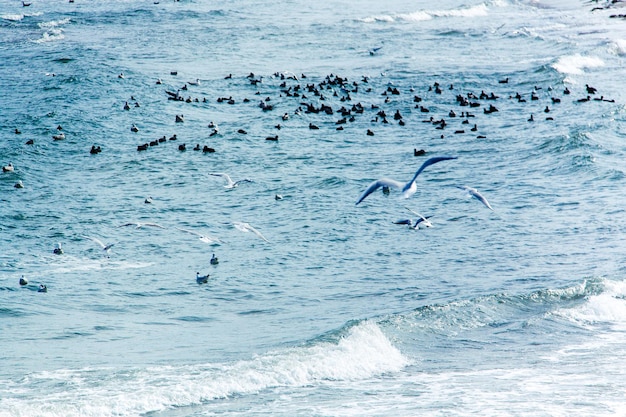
(519, 311)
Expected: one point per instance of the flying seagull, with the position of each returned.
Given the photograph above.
(478, 196)
(421, 220)
(229, 182)
(407, 189)
(203, 238)
(140, 225)
(245, 227)
(106, 248)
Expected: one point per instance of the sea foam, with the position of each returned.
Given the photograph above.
(363, 352)
(575, 64)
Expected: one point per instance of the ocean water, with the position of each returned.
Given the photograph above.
(333, 310)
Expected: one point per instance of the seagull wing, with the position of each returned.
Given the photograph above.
(426, 164)
(246, 227)
(383, 182)
(97, 241)
(478, 196)
(229, 181)
(236, 183)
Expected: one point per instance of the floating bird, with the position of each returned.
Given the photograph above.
(204, 238)
(407, 189)
(278, 197)
(58, 250)
(374, 50)
(19, 184)
(229, 182)
(134, 128)
(246, 227)
(474, 193)
(214, 260)
(148, 200)
(42, 288)
(59, 136)
(8, 168)
(23, 281)
(197, 82)
(140, 225)
(202, 279)
(105, 248)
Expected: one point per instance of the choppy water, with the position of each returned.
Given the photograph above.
(518, 311)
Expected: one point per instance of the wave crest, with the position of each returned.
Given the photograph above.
(575, 64)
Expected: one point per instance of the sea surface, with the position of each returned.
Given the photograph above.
(325, 307)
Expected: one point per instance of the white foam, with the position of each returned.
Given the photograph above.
(51, 36)
(12, 17)
(363, 353)
(54, 23)
(575, 64)
(618, 47)
(606, 307)
(423, 15)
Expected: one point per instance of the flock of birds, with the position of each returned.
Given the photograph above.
(334, 95)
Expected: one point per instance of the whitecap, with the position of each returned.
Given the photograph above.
(363, 352)
(618, 47)
(54, 23)
(379, 18)
(51, 36)
(12, 17)
(609, 306)
(575, 64)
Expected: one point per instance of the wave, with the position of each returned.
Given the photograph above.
(584, 301)
(605, 306)
(422, 15)
(51, 36)
(19, 16)
(618, 47)
(358, 352)
(575, 64)
(54, 23)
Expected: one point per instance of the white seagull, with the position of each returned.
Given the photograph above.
(140, 225)
(229, 182)
(245, 227)
(478, 196)
(202, 279)
(423, 221)
(106, 248)
(409, 188)
(203, 238)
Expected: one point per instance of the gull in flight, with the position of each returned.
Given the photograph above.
(473, 192)
(106, 248)
(229, 182)
(421, 220)
(140, 225)
(407, 189)
(203, 238)
(245, 227)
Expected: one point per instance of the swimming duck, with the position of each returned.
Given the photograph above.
(42, 288)
(23, 281)
(8, 168)
(214, 260)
